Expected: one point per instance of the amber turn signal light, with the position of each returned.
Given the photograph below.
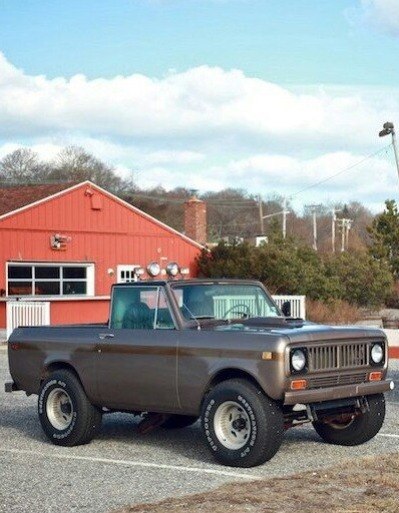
(299, 384)
(375, 376)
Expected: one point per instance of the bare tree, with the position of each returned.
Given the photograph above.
(75, 164)
(23, 166)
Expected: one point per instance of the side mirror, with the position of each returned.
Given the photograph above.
(286, 309)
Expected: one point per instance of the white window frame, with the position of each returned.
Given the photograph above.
(90, 278)
(126, 268)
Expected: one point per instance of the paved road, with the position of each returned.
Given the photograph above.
(121, 467)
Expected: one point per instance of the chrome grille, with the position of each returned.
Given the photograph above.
(341, 379)
(339, 356)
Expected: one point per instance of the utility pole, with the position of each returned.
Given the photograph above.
(261, 217)
(334, 218)
(343, 235)
(313, 209)
(285, 218)
(348, 226)
(345, 225)
(314, 230)
(388, 128)
(284, 213)
(333, 221)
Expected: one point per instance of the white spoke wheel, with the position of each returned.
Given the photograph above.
(242, 426)
(65, 413)
(59, 409)
(232, 425)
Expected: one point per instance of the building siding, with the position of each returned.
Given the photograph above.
(108, 237)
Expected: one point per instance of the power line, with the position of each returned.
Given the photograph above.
(341, 171)
(222, 202)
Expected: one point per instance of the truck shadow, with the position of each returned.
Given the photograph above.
(122, 429)
(187, 442)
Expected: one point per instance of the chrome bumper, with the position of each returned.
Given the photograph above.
(340, 392)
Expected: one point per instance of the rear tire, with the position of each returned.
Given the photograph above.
(360, 429)
(66, 415)
(242, 426)
(179, 421)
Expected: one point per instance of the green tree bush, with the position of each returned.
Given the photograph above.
(288, 267)
(384, 234)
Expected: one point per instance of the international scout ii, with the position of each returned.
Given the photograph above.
(174, 351)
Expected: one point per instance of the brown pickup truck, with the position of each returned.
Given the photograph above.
(219, 350)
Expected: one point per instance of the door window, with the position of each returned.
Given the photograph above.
(138, 307)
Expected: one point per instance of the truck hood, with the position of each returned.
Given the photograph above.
(301, 331)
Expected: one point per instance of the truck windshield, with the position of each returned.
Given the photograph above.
(223, 301)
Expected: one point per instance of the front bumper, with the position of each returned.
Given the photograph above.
(339, 392)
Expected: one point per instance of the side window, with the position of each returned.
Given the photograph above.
(142, 308)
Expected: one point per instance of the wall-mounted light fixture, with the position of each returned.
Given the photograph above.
(59, 242)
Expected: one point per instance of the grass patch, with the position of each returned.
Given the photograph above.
(367, 485)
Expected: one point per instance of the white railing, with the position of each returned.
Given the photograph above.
(298, 305)
(229, 304)
(27, 313)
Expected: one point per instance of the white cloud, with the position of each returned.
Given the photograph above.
(382, 13)
(200, 103)
(204, 128)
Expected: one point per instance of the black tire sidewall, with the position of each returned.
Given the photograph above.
(264, 438)
(361, 430)
(69, 435)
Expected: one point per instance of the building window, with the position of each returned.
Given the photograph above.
(126, 273)
(50, 279)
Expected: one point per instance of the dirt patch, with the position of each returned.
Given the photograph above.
(368, 485)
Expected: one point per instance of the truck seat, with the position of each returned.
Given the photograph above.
(138, 316)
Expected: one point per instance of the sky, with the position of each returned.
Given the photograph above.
(269, 96)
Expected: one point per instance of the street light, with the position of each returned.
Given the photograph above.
(389, 129)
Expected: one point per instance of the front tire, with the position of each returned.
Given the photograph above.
(242, 426)
(358, 430)
(66, 415)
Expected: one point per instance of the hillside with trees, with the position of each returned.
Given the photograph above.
(363, 275)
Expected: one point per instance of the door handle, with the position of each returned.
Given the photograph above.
(103, 336)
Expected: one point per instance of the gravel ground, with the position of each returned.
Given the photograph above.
(121, 467)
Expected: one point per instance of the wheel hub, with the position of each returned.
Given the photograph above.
(232, 425)
(239, 424)
(59, 409)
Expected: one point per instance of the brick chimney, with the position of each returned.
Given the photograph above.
(195, 219)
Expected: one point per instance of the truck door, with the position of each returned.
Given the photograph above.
(137, 356)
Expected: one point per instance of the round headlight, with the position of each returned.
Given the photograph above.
(172, 269)
(377, 353)
(153, 269)
(298, 360)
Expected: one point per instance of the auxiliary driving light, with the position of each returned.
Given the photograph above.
(153, 269)
(172, 269)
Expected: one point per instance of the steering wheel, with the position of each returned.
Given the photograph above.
(240, 305)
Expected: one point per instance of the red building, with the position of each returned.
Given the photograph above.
(67, 244)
